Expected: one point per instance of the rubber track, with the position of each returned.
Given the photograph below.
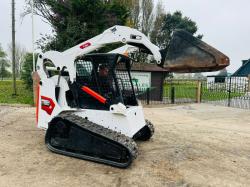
(127, 142)
(151, 127)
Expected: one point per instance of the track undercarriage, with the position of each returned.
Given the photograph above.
(71, 135)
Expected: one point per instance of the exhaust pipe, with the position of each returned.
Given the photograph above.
(187, 54)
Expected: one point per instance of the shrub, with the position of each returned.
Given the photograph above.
(27, 69)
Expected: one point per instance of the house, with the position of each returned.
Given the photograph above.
(225, 81)
(244, 70)
(145, 75)
(219, 78)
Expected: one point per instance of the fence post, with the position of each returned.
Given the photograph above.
(229, 92)
(249, 83)
(148, 95)
(36, 80)
(198, 92)
(172, 95)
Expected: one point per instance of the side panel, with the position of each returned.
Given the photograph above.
(128, 124)
(48, 107)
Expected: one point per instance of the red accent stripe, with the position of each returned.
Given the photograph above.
(85, 45)
(48, 108)
(94, 94)
(37, 102)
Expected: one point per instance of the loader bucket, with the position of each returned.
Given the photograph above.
(187, 54)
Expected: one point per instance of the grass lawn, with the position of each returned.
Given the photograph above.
(24, 95)
(188, 89)
(209, 95)
(182, 90)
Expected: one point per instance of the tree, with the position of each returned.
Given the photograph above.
(20, 51)
(156, 35)
(134, 8)
(4, 64)
(141, 17)
(147, 17)
(27, 69)
(2, 53)
(156, 23)
(140, 14)
(74, 21)
(172, 22)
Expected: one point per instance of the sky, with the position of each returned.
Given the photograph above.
(224, 24)
(23, 25)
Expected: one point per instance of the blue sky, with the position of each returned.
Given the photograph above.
(224, 23)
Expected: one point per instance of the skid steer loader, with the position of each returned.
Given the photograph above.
(86, 100)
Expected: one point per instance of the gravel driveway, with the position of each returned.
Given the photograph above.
(194, 145)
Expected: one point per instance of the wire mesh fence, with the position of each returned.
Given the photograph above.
(174, 91)
(227, 91)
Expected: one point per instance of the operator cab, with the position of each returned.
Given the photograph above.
(109, 76)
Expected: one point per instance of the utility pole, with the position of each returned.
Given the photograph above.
(35, 76)
(33, 35)
(13, 48)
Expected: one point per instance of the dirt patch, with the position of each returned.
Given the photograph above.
(194, 145)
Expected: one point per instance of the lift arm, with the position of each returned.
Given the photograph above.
(185, 53)
(113, 35)
(116, 34)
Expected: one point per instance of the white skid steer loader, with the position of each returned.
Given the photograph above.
(87, 102)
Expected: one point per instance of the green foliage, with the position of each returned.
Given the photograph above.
(24, 95)
(177, 21)
(2, 53)
(75, 21)
(27, 70)
(4, 73)
(171, 22)
(4, 64)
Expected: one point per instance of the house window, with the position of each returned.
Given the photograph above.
(220, 79)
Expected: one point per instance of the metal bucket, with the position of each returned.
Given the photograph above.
(187, 54)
